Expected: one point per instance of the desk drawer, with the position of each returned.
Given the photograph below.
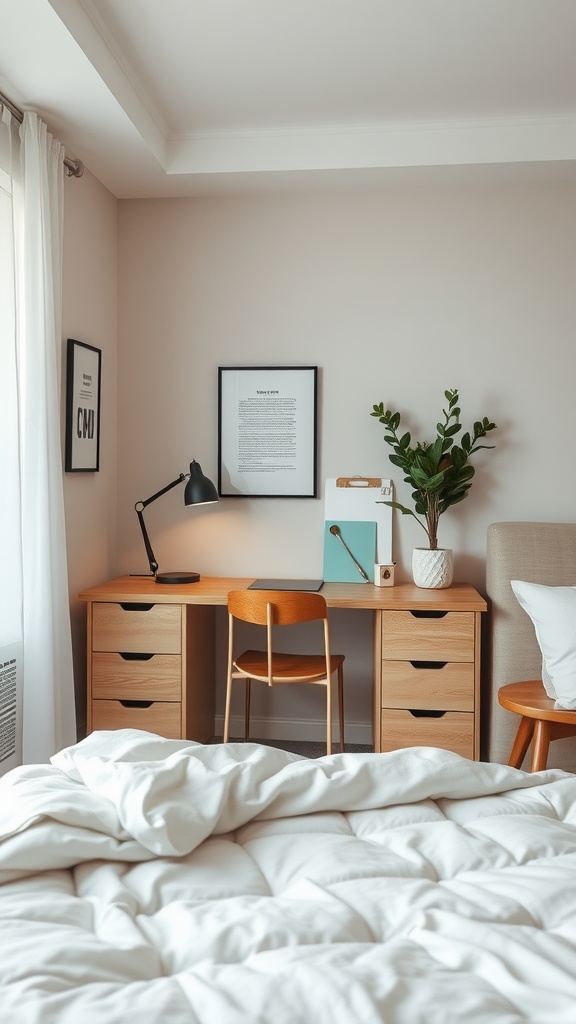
(137, 628)
(407, 636)
(137, 677)
(159, 717)
(437, 686)
(454, 730)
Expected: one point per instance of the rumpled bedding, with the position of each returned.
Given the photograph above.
(166, 882)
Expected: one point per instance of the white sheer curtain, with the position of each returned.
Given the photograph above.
(34, 602)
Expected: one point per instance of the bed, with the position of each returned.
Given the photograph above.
(166, 882)
(539, 553)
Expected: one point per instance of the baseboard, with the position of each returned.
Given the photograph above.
(292, 729)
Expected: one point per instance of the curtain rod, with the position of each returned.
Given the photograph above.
(75, 168)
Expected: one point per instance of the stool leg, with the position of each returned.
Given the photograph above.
(522, 742)
(540, 746)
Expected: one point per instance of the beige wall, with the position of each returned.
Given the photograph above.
(395, 293)
(89, 315)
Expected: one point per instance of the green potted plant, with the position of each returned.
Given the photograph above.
(440, 475)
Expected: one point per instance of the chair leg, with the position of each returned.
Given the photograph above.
(247, 709)
(227, 710)
(522, 742)
(329, 715)
(341, 706)
(540, 746)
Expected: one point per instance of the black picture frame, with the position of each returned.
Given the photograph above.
(267, 431)
(83, 392)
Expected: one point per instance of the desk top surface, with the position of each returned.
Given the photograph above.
(213, 590)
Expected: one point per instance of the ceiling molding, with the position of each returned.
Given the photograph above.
(102, 73)
(353, 147)
(91, 33)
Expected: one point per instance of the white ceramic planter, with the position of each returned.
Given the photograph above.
(432, 570)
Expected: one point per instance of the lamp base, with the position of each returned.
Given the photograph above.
(177, 577)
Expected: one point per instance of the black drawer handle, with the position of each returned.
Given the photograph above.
(136, 703)
(132, 656)
(422, 713)
(428, 614)
(428, 664)
(135, 606)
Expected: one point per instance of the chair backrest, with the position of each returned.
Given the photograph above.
(271, 608)
(287, 606)
(538, 553)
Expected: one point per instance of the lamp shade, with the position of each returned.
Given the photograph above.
(199, 489)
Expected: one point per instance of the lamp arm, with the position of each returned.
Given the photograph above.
(151, 557)
(159, 494)
(139, 507)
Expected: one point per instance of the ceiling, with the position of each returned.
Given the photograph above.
(194, 97)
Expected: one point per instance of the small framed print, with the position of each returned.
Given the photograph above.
(83, 383)
(267, 428)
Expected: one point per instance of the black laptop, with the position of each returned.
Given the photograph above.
(286, 585)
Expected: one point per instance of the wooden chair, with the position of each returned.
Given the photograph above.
(274, 608)
(540, 723)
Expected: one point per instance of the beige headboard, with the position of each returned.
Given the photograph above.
(539, 553)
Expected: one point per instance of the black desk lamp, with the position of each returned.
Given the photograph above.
(198, 491)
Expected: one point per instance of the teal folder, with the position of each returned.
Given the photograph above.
(360, 538)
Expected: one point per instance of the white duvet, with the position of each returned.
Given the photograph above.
(152, 881)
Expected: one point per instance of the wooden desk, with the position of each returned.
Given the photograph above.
(151, 658)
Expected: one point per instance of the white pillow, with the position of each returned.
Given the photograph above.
(553, 614)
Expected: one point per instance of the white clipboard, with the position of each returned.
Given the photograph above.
(361, 498)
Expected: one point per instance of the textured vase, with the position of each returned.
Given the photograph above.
(432, 570)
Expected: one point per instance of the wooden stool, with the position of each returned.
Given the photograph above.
(540, 722)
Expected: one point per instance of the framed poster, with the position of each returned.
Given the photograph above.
(267, 431)
(83, 371)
